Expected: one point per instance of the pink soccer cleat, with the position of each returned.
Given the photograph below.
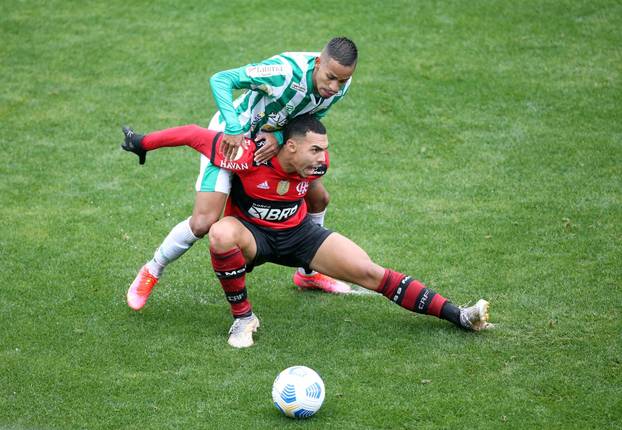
(140, 289)
(322, 282)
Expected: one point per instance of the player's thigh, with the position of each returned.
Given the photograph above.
(208, 207)
(209, 203)
(228, 233)
(341, 258)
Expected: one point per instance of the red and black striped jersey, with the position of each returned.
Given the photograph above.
(263, 194)
(266, 195)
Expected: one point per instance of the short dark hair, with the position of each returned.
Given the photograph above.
(301, 125)
(342, 50)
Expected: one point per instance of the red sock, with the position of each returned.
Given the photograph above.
(194, 136)
(230, 268)
(410, 294)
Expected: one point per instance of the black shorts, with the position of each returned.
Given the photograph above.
(294, 247)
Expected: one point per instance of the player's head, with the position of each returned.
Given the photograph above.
(305, 145)
(335, 66)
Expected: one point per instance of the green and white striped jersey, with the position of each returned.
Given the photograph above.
(280, 88)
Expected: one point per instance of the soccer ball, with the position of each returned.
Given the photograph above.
(298, 392)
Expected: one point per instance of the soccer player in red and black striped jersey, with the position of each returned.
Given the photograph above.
(266, 221)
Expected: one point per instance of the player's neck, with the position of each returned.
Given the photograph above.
(285, 163)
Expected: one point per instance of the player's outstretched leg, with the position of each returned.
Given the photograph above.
(415, 296)
(132, 143)
(340, 257)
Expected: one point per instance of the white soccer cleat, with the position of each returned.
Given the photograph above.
(241, 331)
(475, 317)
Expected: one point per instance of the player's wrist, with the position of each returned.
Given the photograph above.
(233, 130)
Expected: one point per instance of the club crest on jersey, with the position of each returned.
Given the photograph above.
(302, 188)
(282, 188)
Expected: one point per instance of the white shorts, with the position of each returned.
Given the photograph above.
(211, 178)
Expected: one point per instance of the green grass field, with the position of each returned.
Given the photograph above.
(479, 150)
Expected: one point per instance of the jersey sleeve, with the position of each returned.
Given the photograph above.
(270, 77)
(242, 161)
(222, 85)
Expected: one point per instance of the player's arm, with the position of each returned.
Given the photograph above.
(267, 77)
(272, 142)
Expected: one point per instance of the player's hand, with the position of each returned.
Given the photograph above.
(269, 149)
(230, 144)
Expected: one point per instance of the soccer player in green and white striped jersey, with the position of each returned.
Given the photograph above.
(279, 88)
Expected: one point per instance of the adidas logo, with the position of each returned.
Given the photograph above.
(264, 186)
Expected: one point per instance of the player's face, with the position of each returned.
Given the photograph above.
(329, 76)
(310, 153)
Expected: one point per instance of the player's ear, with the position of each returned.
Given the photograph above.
(290, 145)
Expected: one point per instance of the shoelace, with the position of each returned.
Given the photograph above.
(239, 325)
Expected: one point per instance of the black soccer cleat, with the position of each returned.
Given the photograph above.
(131, 143)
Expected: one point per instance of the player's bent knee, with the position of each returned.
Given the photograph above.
(225, 235)
(318, 202)
(219, 236)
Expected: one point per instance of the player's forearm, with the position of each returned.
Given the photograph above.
(222, 85)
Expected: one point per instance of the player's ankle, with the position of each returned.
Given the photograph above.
(306, 272)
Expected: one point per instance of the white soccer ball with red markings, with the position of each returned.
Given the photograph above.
(298, 392)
